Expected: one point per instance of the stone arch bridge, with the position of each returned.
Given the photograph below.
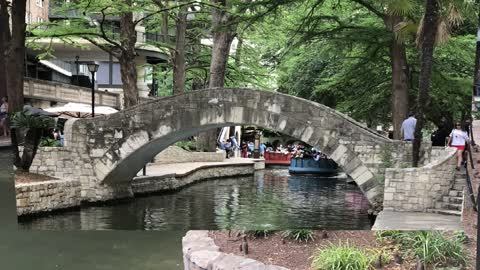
(108, 151)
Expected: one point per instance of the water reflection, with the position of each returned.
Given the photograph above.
(271, 199)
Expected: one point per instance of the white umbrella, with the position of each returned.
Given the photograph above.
(79, 110)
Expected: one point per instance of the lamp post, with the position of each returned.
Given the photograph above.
(93, 67)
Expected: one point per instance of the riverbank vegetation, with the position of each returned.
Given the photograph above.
(343, 250)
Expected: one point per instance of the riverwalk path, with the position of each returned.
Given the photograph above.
(157, 169)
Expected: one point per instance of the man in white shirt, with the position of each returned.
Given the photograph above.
(408, 128)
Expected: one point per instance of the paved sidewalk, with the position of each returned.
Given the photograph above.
(390, 220)
(157, 169)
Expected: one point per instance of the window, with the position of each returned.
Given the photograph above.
(39, 19)
(39, 3)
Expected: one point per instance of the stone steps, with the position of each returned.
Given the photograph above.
(458, 186)
(448, 199)
(445, 212)
(455, 193)
(451, 204)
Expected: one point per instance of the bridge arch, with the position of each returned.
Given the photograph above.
(119, 145)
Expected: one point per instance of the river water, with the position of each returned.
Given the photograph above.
(271, 199)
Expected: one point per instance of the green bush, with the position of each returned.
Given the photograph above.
(299, 235)
(259, 233)
(432, 247)
(345, 257)
(187, 145)
(47, 142)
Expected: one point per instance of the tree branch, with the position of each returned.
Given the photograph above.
(102, 30)
(370, 7)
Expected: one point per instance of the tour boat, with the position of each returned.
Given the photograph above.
(277, 158)
(324, 166)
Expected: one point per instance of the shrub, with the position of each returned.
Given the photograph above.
(259, 233)
(187, 145)
(299, 235)
(47, 142)
(345, 257)
(432, 247)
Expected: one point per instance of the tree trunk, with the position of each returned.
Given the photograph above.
(30, 147)
(427, 39)
(238, 52)
(128, 68)
(223, 34)
(16, 57)
(398, 60)
(4, 39)
(179, 53)
(476, 72)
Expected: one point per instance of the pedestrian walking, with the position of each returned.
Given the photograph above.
(408, 128)
(458, 138)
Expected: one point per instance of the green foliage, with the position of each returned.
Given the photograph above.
(386, 156)
(259, 233)
(47, 142)
(299, 235)
(27, 120)
(346, 257)
(432, 247)
(187, 145)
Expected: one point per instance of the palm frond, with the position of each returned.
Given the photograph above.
(400, 7)
(27, 120)
(443, 32)
(454, 16)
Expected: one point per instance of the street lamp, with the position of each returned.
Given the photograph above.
(93, 67)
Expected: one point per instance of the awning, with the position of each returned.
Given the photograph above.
(56, 68)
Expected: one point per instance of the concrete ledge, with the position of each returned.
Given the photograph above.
(37, 197)
(201, 253)
(167, 182)
(175, 154)
(391, 220)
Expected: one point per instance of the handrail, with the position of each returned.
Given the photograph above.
(470, 155)
(470, 191)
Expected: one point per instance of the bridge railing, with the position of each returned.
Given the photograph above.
(61, 92)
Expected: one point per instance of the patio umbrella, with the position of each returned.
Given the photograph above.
(78, 110)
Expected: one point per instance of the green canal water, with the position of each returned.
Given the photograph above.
(79, 250)
(271, 199)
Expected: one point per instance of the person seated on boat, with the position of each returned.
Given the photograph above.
(262, 148)
(244, 148)
(228, 148)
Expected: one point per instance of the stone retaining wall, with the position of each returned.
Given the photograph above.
(175, 154)
(47, 196)
(417, 189)
(147, 184)
(54, 161)
(201, 253)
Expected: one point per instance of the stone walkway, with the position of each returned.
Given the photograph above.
(156, 169)
(390, 220)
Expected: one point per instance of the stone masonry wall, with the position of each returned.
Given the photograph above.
(147, 184)
(175, 154)
(417, 189)
(54, 161)
(47, 196)
(201, 253)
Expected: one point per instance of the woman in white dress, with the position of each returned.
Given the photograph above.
(458, 138)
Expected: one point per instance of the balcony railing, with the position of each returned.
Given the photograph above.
(60, 92)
